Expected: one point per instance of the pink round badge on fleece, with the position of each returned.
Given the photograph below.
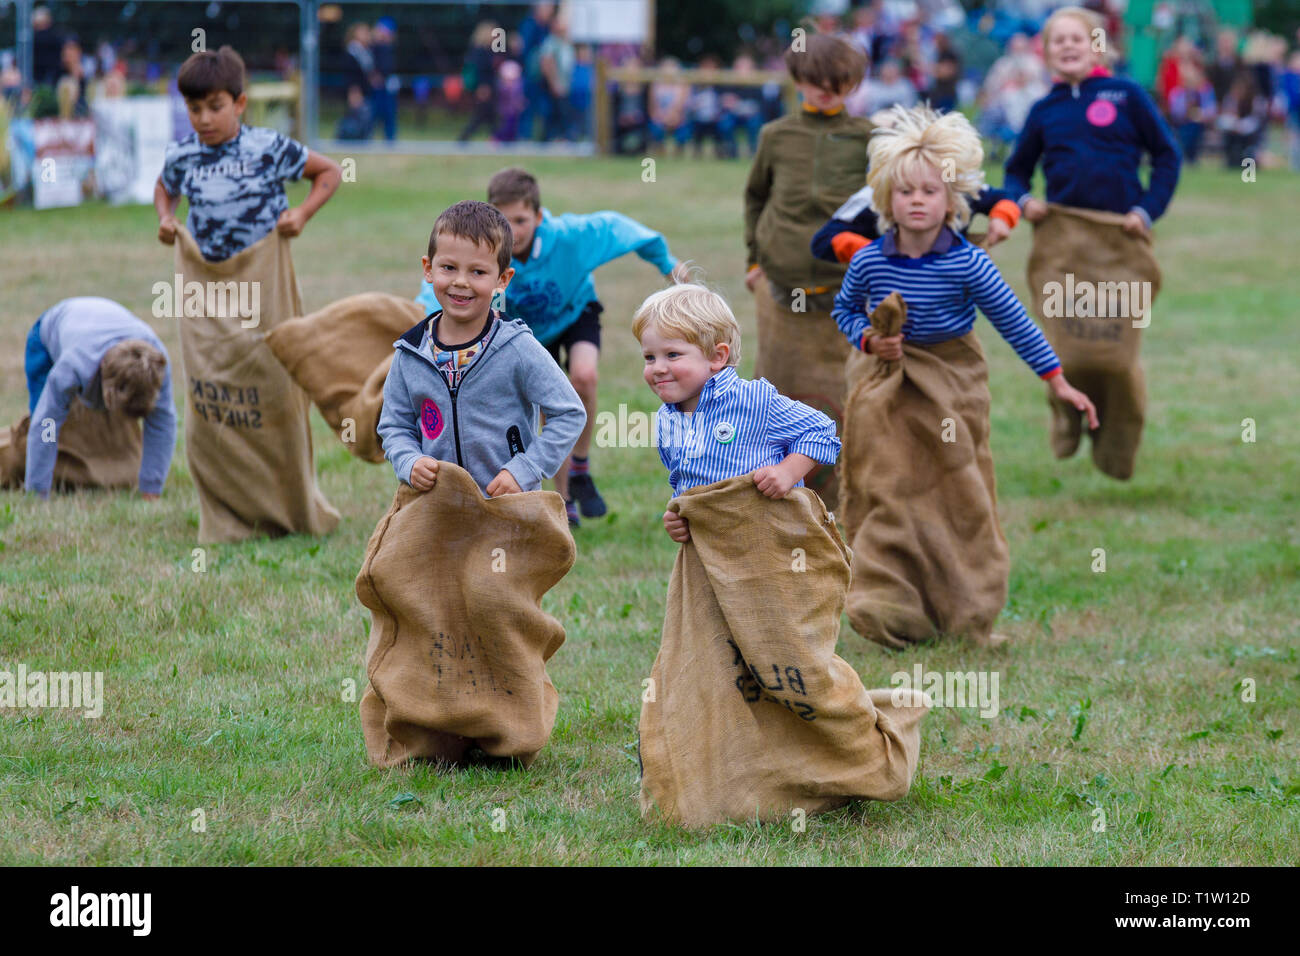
(1101, 112)
(431, 420)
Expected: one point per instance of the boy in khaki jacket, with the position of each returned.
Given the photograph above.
(808, 163)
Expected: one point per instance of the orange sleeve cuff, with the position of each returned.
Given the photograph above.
(845, 244)
(1007, 211)
(1048, 376)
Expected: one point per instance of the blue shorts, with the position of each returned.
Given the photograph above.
(37, 362)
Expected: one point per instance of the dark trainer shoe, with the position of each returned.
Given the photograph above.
(572, 511)
(583, 489)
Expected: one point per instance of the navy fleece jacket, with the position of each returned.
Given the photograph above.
(1090, 138)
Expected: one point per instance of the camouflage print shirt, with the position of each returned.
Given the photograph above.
(235, 189)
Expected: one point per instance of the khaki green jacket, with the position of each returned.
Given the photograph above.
(806, 166)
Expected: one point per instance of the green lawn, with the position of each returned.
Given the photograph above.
(1121, 691)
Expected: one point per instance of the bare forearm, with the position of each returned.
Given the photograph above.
(322, 188)
(164, 203)
(798, 465)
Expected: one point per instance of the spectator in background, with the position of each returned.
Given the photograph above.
(580, 92)
(71, 88)
(631, 136)
(47, 48)
(115, 82)
(977, 48)
(510, 95)
(360, 78)
(479, 74)
(1016, 64)
(865, 35)
(668, 101)
(533, 31)
(356, 123)
(889, 87)
(942, 91)
(704, 111)
(383, 96)
(1260, 57)
(1290, 83)
(827, 21)
(1014, 83)
(742, 108)
(557, 59)
(1191, 105)
(1169, 73)
(915, 52)
(1242, 118)
(1226, 64)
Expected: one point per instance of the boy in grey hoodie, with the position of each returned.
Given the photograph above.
(467, 383)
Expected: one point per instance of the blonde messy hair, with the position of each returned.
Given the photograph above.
(919, 137)
(694, 314)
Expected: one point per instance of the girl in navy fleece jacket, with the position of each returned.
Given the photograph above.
(1090, 132)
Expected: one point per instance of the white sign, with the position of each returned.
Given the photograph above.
(131, 137)
(609, 21)
(65, 156)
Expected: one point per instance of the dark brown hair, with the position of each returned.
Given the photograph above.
(131, 375)
(477, 222)
(514, 185)
(206, 73)
(826, 62)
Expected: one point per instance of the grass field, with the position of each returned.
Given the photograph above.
(1122, 691)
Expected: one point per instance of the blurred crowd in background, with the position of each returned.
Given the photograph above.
(521, 77)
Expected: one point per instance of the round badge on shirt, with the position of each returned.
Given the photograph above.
(1101, 112)
(431, 420)
(724, 432)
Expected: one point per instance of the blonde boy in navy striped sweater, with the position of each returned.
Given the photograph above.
(924, 168)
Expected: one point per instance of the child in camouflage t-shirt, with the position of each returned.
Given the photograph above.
(233, 175)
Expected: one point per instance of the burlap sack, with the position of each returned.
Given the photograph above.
(340, 355)
(458, 639)
(751, 714)
(803, 355)
(247, 435)
(1099, 354)
(920, 498)
(97, 449)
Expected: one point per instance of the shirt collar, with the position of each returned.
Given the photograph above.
(720, 383)
(543, 227)
(942, 242)
(816, 112)
(228, 144)
(1097, 71)
(431, 322)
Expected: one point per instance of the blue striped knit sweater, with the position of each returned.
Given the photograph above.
(942, 289)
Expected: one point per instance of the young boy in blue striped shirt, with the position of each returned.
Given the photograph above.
(920, 499)
(715, 425)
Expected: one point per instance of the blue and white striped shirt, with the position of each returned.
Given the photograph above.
(738, 426)
(942, 289)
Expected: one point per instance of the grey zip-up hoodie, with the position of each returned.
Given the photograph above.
(490, 421)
